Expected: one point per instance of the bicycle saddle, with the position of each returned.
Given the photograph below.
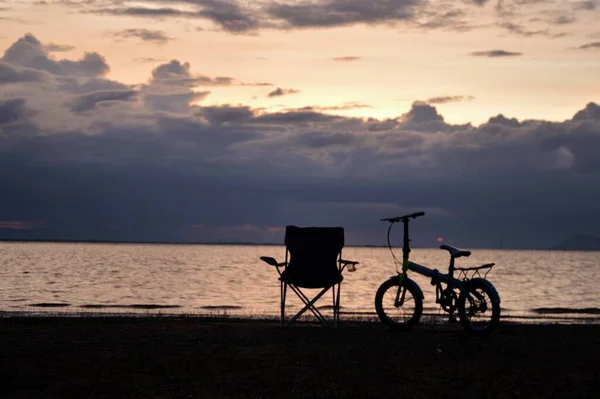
(455, 252)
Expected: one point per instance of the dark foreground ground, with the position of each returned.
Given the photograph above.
(207, 358)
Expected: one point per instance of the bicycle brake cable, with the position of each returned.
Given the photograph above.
(396, 261)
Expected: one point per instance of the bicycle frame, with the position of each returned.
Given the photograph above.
(436, 276)
(452, 293)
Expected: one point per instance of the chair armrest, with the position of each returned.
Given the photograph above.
(350, 263)
(272, 261)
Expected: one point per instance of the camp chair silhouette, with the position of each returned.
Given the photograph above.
(315, 261)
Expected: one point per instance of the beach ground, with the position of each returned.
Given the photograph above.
(189, 357)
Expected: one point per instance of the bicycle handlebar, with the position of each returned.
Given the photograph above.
(397, 219)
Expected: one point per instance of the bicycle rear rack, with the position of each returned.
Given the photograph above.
(468, 273)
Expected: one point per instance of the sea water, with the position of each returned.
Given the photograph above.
(84, 278)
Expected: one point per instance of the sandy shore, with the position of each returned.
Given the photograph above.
(118, 357)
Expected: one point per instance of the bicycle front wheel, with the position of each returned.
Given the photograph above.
(399, 314)
(479, 314)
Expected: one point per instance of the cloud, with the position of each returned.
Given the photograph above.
(448, 99)
(144, 12)
(587, 5)
(278, 92)
(330, 13)
(241, 18)
(18, 225)
(258, 84)
(13, 110)
(588, 46)
(590, 112)
(228, 15)
(563, 20)
(457, 20)
(12, 74)
(31, 53)
(146, 35)
(176, 73)
(149, 59)
(319, 108)
(57, 48)
(423, 117)
(520, 30)
(496, 53)
(346, 59)
(93, 158)
(87, 102)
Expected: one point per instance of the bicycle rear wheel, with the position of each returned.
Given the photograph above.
(394, 315)
(480, 314)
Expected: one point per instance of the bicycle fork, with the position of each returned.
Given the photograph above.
(401, 294)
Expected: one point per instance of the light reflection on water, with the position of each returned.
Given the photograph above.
(230, 279)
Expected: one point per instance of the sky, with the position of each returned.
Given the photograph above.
(226, 120)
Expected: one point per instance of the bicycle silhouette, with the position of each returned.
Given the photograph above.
(399, 300)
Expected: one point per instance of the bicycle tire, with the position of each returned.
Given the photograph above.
(384, 302)
(482, 289)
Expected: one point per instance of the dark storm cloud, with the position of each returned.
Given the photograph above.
(146, 35)
(151, 162)
(496, 53)
(278, 92)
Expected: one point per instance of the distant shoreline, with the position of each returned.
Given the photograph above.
(241, 243)
(73, 241)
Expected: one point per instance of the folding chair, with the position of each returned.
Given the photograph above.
(315, 261)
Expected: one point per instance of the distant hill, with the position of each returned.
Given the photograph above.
(579, 242)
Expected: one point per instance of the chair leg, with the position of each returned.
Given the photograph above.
(334, 307)
(283, 294)
(309, 306)
(336, 304)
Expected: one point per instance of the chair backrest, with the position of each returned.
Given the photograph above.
(314, 252)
